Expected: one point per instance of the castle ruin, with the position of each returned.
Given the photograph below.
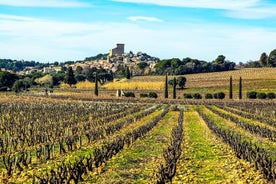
(118, 51)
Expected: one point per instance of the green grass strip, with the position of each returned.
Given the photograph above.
(140, 162)
(206, 159)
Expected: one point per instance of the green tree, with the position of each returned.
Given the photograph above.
(181, 81)
(166, 95)
(271, 61)
(174, 88)
(263, 59)
(70, 77)
(220, 59)
(17, 86)
(231, 88)
(240, 88)
(128, 74)
(96, 90)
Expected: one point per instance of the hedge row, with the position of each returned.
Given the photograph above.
(260, 95)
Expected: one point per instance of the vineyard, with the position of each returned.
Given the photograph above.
(51, 140)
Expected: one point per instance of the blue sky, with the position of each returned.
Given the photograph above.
(61, 30)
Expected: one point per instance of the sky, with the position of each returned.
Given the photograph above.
(70, 30)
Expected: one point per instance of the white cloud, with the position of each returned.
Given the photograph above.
(44, 3)
(213, 4)
(253, 13)
(244, 9)
(46, 41)
(143, 18)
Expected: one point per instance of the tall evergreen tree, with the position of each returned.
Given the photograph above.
(231, 88)
(174, 88)
(128, 74)
(166, 95)
(263, 59)
(240, 88)
(70, 77)
(96, 90)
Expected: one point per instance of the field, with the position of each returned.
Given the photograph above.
(254, 79)
(75, 137)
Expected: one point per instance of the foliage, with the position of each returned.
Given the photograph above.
(70, 77)
(144, 95)
(240, 88)
(174, 88)
(142, 65)
(263, 59)
(219, 95)
(197, 96)
(181, 81)
(166, 91)
(187, 95)
(96, 90)
(271, 60)
(152, 95)
(261, 95)
(129, 94)
(251, 94)
(271, 95)
(175, 66)
(128, 74)
(231, 88)
(7, 79)
(208, 96)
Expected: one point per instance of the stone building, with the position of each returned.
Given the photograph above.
(118, 51)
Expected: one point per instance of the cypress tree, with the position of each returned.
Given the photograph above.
(128, 74)
(174, 88)
(231, 88)
(166, 87)
(96, 91)
(240, 88)
(70, 77)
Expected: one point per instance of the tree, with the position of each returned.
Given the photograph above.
(271, 61)
(240, 88)
(263, 59)
(128, 74)
(70, 77)
(219, 95)
(174, 88)
(220, 59)
(96, 90)
(166, 95)
(17, 85)
(7, 79)
(231, 88)
(181, 81)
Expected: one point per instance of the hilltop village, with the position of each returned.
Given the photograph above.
(139, 62)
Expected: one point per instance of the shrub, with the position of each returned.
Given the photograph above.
(152, 95)
(261, 95)
(3, 88)
(197, 96)
(129, 94)
(187, 95)
(271, 95)
(143, 95)
(251, 94)
(219, 95)
(208, 96)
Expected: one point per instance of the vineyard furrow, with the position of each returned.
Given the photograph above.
(251, 126)
(246, 146)
(206, 159)
(139, 162)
